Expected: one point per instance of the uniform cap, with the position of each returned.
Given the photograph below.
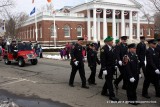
(152, 41)
(80, 39)
(108, 39)
(117, 40)
(124, 37)
(158, 39)
(91, 44)
(132, 45)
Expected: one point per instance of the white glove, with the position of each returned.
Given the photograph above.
(115, 67)
(132, 79)
(105, 72)
(157, 71)
(140, 75)
(76, 63)
(120, 63)
(145, 62)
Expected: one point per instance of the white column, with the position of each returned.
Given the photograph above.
(94, 25)
(99, 27)
(138, 26)
(113, 24)
(130, 25)
(104, 24)
(89, 25)
(122, 24)
(117, 30)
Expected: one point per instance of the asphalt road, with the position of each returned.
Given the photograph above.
(49, 81)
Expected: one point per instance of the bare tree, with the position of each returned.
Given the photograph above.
(6, 3)
(155, 4)
(15, 21)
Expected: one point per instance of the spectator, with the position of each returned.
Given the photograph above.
(1, 53)
(61, 53)
(68, 48)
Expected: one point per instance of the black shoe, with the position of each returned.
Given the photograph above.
(104, 94)
(158, 96)
(116, 85)
(100, 77)
(146, 96)
(113, 98)
(94, 83)
(86, 87)
(71, 85)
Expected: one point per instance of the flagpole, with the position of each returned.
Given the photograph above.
(54, 21)
(36, 30)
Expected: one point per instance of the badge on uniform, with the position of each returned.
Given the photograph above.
(102, 50)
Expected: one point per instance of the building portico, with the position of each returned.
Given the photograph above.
(114, 12)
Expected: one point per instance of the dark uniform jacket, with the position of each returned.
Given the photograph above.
(108, 59)
(92, 58)
(121, 50)
(153, 62)
(132, 67)
(76, 53)
(158, 48)
(141, 51)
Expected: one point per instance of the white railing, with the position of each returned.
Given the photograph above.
(61, 14)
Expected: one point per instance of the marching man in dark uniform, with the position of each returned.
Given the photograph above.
(141, 52)
(77, 63)
(92, 63)
(131, 73)
(158, 46)
(121, 50)
(152, 69)
(158, 50)
(108, 67)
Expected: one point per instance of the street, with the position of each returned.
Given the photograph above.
(48, 81)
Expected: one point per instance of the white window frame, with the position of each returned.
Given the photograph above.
(33, 32)
(148, 32)
(52, 31)
(41, 32)
(141, 30)
(134, 31)
(69, 31)
(80, 31)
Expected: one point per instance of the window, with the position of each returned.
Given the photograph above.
(134, 31)
(79, 31)
(52, 31)
(148, 32)
(66, 31)
(33, 32)
(141, 32)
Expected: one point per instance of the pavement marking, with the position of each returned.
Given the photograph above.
(17, 80)
(11, 82)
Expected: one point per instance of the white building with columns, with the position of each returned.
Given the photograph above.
(94, 20)
(114, 8)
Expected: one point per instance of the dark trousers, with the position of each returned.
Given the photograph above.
(142, 66)
(150, 79)
(121, 77)
(91, 79)
(67, 53)
(80, 67)
(131, 90)
(100, 73)
(108, 85)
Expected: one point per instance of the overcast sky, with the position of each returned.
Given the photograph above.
(27, 6)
